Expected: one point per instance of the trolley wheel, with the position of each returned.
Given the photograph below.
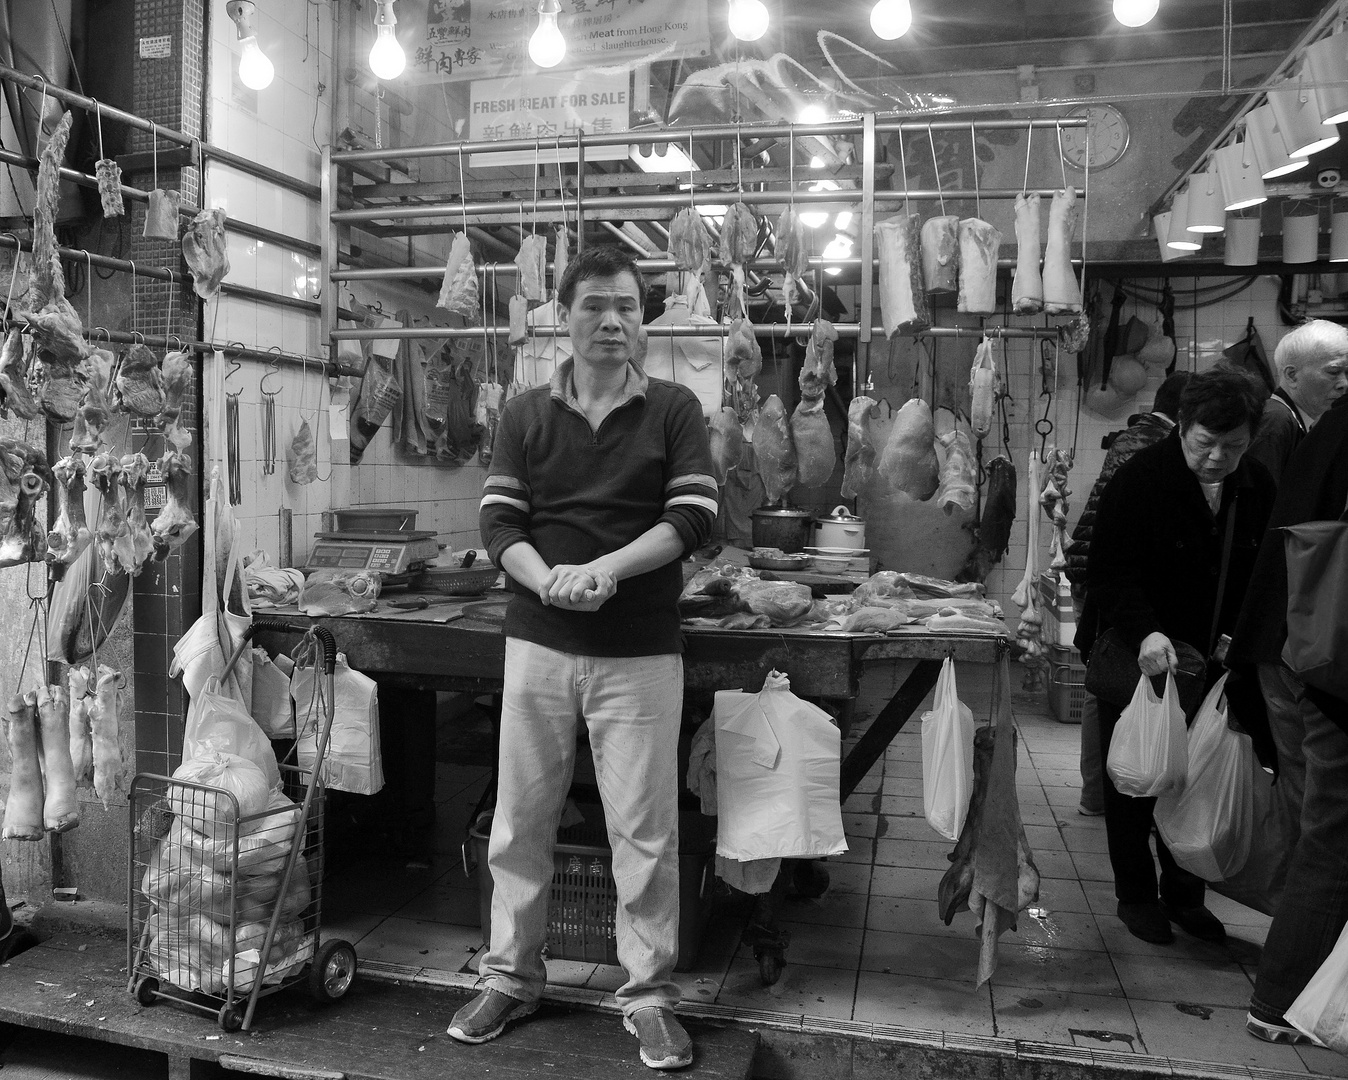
(231, 1018)
(147, 990)
(332, 971)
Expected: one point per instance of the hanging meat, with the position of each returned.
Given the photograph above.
(518, 329)
(112, 534)
(174, 522)
(206, 252)
(461, 436)
(458, 290)
(743, 356)
(1029, 630)
(62, 382)
(689, 241)
(23, 810)
(983, 389)
(957, 487)
(103, 723)
(532, 262)
(26, 478)
(140, 383)
(80, 738)
(1053, 498)
(14, 393)
(69, 533)
(135, 470)
(940, 254)
(979, 244)
(1062, 292)
(561, 256)
(862, 452)
(177, 388)
(999, 514)
(727, 442)
(794, 253)
(91, 419)
(909, 458)
(60, 811)
(774, 453)
(739, 241)
(903, 301)
(810, 431)
(48, 285)
(1027, 286)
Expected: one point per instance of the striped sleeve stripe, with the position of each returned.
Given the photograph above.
(518, 504)
(502, 480)
(692, 480)
(700, 501)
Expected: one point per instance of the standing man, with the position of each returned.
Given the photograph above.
(600, 484)
(1312, 365)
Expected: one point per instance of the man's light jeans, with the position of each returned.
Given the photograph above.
(632, 707)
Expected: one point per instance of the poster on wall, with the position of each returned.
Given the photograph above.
(453, 40)
(548, 106)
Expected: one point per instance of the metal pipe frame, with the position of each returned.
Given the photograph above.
(845, 330)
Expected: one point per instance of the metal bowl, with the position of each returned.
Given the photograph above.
(456, 581)
(786, 562)
(831, 564)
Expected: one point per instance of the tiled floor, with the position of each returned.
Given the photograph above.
(873, 948)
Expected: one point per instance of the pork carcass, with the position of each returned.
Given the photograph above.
(794, 253)
(80, 738)
(903, 301)
(458, 290)
(91, 419)
(112, 534)
(739, 241)
(60, 812)
(940, 254)
(174, 522)
(23, 810)
(103, 724)
(26, 478)
(177, 387)
(957, 485)
(1027, 286)
(727, 442)
(862, 452)
(532, 263)
(1062, 292)
(983, 388)
(206, 252)
(15, 396)
(979, 244)
(135, 468)
(742, 354)
(140, 382)
(774, 453)
(909, 458)
(69, 534)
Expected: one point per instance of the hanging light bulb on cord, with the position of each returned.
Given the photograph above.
(748, 19)
(547, 46)
(891, 19)
(1136, 12)
(387, 59)
(255, 70)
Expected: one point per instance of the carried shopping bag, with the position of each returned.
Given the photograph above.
(272, 707)
(1317, 603)
(1259, 883)
(947, 757)
(1321, 1009)
(353, 760)
(1209, 824)
(777, 775)
(1149, 752)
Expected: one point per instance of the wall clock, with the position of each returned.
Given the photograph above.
(1108, 137)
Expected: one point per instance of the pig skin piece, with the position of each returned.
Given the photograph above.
(979, 244)
(994, 530)
(862, 453)
(16, 396)
(957, 487)
(903, 300)
(81, 739)
(940, 254)
(91, 421)
(774, 453)
(69, 533)
(982, 390)
(727, 443)
(1062, 292)
(1027, 285)
(140, 382)
(206, 253)
(177, 386)
(909, 458)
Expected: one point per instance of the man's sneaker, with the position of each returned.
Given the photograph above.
(664, 1043)
(486, 1016)
(1275, 1031)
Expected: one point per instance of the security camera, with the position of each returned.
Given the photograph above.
(1328, 178)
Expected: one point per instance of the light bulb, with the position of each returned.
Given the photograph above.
(838, 248)
(813, 114)
(255, 70)
(387, 59)
(547, 46)
(748, 19)
(843, 220)
(812, 219)
(816, 162)
(891, 19)
(1136, 12)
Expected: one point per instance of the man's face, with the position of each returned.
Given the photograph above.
(604, 319)
(1320, 383)
(1213, 456)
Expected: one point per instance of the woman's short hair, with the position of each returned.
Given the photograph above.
(1222, 400)
(598, 260)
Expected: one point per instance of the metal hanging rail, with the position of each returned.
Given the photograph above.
(845, 330)
(78, 255)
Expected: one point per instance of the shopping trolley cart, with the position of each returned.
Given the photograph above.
(225, 908)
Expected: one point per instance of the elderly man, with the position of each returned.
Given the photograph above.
(599, 485)
(1312, 366)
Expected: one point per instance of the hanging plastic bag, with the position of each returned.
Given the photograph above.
(1149, 753)
(380, 390)
(271, 694)
(218, 724)
(1208, 826)
(353, 760)
(777, 768)
(947, 757)
(1321, 1009)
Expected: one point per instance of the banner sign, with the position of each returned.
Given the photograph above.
(547, 106)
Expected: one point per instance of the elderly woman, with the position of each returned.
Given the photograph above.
(1153, 577)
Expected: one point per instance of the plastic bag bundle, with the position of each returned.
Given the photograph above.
(256, 896)
(180, 886)
(1149, 753)
(290, 949)
(161, 214)
(947, 757)
(211, 811)
(264, 840)
(217, 724)
(188, 952)
(1209, 825)
(339, 592)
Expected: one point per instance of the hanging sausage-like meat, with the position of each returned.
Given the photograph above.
(1027, 286)
(1062, 292)
(940, 254)
(983, 387)
(903, 303)
(909, 458)
(979, 244)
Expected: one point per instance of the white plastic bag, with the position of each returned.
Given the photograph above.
(218, 724)
(1321, 1010)
(1149, 753)
(1208, 825)
(271, 694)
(352, 761)
(947, 757)
(777, 775)
(210, 811)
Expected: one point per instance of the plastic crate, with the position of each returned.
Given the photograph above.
(583, 898)
(1066, 684)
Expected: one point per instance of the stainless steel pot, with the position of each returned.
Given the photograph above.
(840, 529)
(781, 527)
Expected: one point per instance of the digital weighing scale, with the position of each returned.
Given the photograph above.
(387, 552)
